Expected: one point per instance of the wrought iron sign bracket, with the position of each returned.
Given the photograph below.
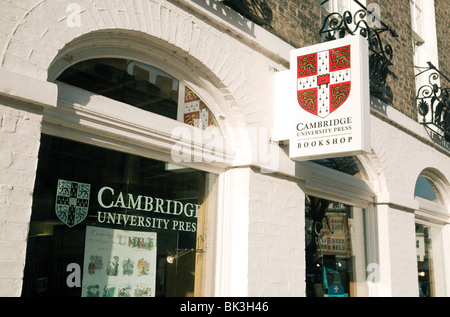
(337, 25)
(433, 101)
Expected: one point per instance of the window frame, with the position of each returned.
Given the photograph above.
(86, 117)
(118, 178)
(436, 215)
(109, 123)
(440, 284)
(326, 183)
(124, 46)
(416, 7)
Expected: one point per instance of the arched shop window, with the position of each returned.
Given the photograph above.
(108, 223)
(424, 189)
(429, 239)
(140, 85)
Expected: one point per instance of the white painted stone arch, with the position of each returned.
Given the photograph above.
(140, 47)
(430, 167)
(373, 171)
(40, 36)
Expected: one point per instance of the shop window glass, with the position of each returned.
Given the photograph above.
(142, 86)
(347, 165)
(424, 189)
(429, 248)
(335, 257)
(134, 226)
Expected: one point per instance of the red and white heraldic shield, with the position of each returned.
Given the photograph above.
(324, 80)
(329, 115)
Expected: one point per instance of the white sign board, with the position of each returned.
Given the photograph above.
(327, 111)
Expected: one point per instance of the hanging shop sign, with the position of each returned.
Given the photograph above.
(325, 111)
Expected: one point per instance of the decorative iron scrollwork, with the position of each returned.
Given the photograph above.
(337, 25)
(433, 101)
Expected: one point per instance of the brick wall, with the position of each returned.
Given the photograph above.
(397, 15)
(442, 12)
(276, 263)
(296, 22)
(19, 145)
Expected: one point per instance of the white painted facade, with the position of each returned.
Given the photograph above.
(231, 62)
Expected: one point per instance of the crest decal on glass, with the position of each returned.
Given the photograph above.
(72, 202)
(323, 80)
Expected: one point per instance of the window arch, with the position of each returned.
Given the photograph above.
(140, 85)
(112, 147)
(424, 189)
(430, 192)
(432, 185)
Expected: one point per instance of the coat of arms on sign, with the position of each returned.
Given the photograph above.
(72, 202)
(323, 80)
